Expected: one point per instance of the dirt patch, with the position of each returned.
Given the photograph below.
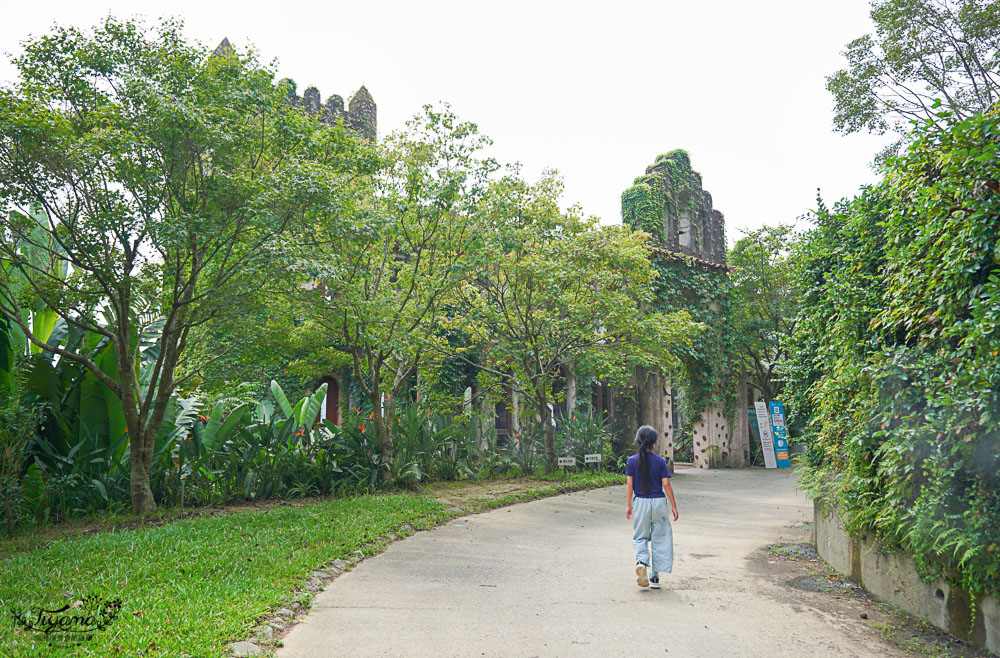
(803, 578)
(463, 493)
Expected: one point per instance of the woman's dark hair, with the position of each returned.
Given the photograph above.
(645, 437)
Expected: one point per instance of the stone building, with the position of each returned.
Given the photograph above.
(669, 202)
(361, 115)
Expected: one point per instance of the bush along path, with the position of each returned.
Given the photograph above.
(202, 586)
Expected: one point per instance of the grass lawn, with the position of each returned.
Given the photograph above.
(191, 587)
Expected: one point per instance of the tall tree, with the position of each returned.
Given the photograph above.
(163, 174)
(384, 267)
(764, 305)
(556, 287)
(922, 51)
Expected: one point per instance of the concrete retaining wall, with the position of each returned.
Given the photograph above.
(893, 577)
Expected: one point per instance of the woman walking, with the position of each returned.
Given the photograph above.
(652, 536)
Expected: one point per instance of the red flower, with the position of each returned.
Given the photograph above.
(361, 427)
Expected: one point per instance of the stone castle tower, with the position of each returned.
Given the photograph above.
(360, 116)
(689, 239)
(669, 203)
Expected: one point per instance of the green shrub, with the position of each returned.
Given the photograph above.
(17, 431)
(895, 362)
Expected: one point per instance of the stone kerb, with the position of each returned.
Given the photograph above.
(893, 577)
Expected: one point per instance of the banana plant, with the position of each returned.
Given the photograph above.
(304, 414)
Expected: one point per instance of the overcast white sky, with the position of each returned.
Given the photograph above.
(593, 89)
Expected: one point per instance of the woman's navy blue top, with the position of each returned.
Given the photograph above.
(657, 471)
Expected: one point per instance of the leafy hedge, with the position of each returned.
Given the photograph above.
(895, 355)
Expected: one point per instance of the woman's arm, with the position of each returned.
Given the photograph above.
(628, 497)
(669, 490)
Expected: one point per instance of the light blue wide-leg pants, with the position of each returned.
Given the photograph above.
(652, 536)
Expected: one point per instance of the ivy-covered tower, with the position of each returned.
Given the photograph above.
(669, 203)
(697, 410)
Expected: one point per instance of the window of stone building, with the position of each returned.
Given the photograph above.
(684, 229)
(504, 424)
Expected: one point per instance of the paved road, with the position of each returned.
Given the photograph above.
(555, 578)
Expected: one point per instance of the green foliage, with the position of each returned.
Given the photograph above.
(921, 51)
(583, 433)
(642, 206)
(164, 176)
(554, 288)
(386, 264)
(764, 304)
(707, 358)
(17, 432)
(894, 358)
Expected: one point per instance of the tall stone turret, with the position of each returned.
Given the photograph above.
(362, 114)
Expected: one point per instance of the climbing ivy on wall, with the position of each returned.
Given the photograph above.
(671, 184)
(642, 206)
(708, 361)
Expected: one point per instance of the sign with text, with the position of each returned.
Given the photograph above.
(567, 461)
(592, 459)
(766, 440)
(780, 434)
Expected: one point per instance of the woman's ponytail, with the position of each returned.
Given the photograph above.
(645, 438)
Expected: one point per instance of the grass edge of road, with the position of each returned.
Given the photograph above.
(194, 586)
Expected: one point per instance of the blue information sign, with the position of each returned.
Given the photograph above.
(780, 434)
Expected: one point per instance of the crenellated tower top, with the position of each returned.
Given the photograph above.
(669, 203)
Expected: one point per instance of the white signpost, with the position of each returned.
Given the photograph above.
(766, 439)
(592, 459)
(567, 461)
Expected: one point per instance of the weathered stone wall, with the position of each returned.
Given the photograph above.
(711, 439)
(893, 577)
(361, 115)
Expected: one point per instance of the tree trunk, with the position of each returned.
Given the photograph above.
(550, 440)
(140, 461)
(570, 390)
(384, 434)
(515, 418)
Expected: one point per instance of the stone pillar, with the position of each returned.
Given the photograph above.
(667, 442)
(655, 410)
(625, 420)
(711, 439)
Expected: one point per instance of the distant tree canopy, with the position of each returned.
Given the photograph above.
(764, 308)
(922, 52)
